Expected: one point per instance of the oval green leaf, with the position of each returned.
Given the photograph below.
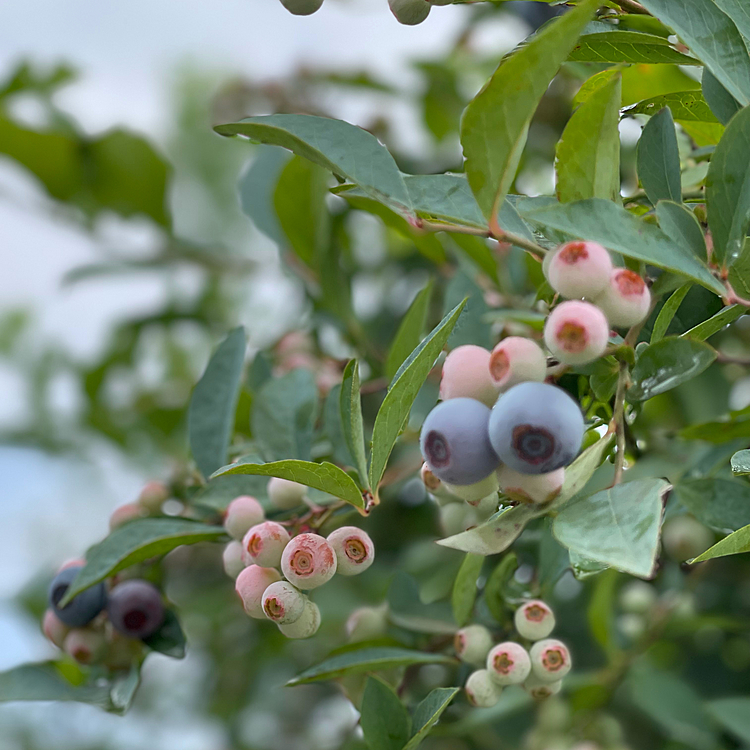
(428, 713)
(383, 718)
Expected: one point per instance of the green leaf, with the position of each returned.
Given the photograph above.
(723, 430)
(323, 476)
(734, 544)
(63, 681)
(394, 411)
(256, 189)
(728, 189)
(465, 588)
(611, 225)
(741, 463)
(299, 201)
(627, 47)
(368, 659)
(739, 12)
(351, 418)
(169, 638)
(213, 404)
(600, 612)
(667, 313)
(723, 105)
(666, 364)
(346, 150)
(283, 415)
(495, 124)
(712, 37)
(135, 542)
(587, 157)
(680, 224)
(410, 331)
(219, 492)
(659, 159)
(428, 713)
(578, 474)
(715, 323)
(383, 718)
(687, 106)
(721, 504)
(500, 577)
(617, 526)
(733, 714)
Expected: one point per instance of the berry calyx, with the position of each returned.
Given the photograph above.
(354, 550)
(264, 544)
(516, 360)
(579, 269)
(534, 620)
(508, 663)
(467, 374)
(308, 561)
(576, 332)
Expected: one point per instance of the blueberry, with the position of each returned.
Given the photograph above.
(536, 428)
(84, 607)
(410, 12)
(455, 442)
(302, 7)
(135, 608)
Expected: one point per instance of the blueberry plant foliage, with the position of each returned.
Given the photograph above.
(638, 550)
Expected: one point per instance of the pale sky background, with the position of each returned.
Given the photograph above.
(127, 55)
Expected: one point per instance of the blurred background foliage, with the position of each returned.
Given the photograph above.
(316, 280)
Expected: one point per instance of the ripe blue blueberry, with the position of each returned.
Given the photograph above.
(455, 442)
(84, 607)
(135, 608)
(536, 428)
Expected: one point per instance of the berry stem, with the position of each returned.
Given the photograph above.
(619, 419)
(631, 6)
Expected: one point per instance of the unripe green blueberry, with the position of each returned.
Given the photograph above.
(410, 12)
(472, 644)
(85, 645)
(466, 374)
(530, 488)
(302, 7)
(540, 690)
(430, 481)
(232, 559)
(684, 538)
(124, 514)
(455, 518)
(367, 623)
(534, 620)
(550, 660)
(579, 269)
(626, 300)
(153, 496)
(576, 332)
(264, 544)
(308, 561)
(515, 360)
(638, 597)
(285, 494)
(242, 514)
(306, 626)
(474, 493)
(481, 690)
(283, 603)
(121, 651)
(250, 585)
(54, 629)
(354, 550)
(508, 663)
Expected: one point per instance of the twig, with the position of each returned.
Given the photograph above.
(618, 418)
(498, 233)
(632, 7)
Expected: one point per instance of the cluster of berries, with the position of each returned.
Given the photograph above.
(539, 670)
(307, 560)
(107, 623)
(409, 12)
(599, 296)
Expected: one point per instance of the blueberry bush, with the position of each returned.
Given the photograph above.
(506, 406)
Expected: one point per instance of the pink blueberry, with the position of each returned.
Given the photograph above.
(232, 559)
(285, 494)
(250, 585)
(85, 645)
(472, 644)
(508, 663)
(124, 514)
(308, 561)
(153, 496)
(530, 488)
(264, 544)
(242, 514)
(576, 332)
(626, 299)
(54, 628)
(466, 374)
(550, 660)
(354, 550)
(534, 620)
(579, 269)
(515, 360)
(283, 603)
